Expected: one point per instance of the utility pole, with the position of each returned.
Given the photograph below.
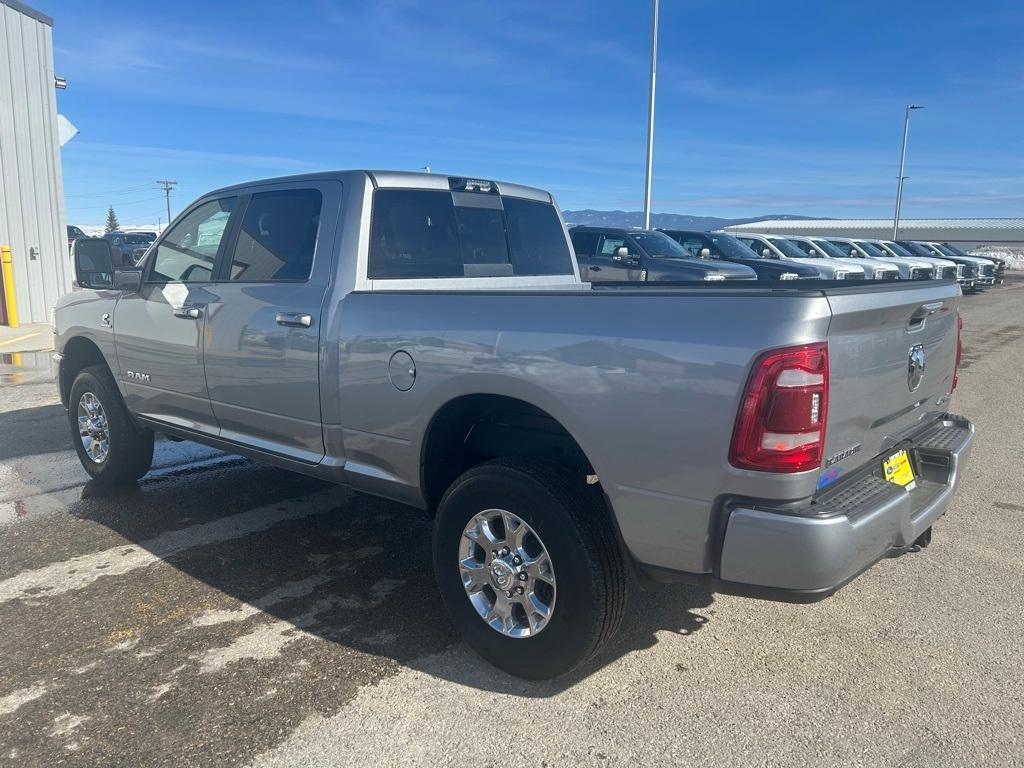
(167, 193)
(650, 115)
(903, 157)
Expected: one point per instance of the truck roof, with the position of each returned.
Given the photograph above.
(399, 180)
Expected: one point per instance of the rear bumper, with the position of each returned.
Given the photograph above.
(808, 556)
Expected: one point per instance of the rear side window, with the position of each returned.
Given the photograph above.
(187, 253)
(423, 234)
(585, 243)
(277, 237)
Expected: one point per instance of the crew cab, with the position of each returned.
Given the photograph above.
(606, 254)
(775, 247)
(428, 339)
(719, 245)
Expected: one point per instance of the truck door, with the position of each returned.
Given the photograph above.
(603, 267)
(159, 330)
(262, 347)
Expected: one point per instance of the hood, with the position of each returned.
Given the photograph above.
(713, 266)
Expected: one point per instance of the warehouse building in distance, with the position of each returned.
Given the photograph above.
(31, 186)
(966, 233)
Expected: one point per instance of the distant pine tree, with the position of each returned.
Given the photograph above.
(112, 222)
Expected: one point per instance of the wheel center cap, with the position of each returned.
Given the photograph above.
(502, 575)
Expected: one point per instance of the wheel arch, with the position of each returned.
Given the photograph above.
(470, 429)
(79, 352)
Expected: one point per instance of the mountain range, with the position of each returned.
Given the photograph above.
(591, 217)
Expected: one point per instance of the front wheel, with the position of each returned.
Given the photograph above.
(528, 566)
(111, 447)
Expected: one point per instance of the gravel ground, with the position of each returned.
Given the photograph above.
(224, 613)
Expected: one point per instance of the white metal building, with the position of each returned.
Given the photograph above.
(32, 190)
(966, 233)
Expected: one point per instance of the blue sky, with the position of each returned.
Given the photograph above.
(762, 107)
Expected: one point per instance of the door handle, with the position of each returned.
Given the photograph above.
(294, 319)
(595, 269)
(188, 313)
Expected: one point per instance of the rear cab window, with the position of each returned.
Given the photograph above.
(429, 233)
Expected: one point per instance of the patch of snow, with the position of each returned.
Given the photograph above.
(1014, 257)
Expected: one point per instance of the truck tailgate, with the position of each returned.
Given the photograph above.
(875, 338)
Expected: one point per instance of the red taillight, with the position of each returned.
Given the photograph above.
(781, 423)
(959, 350)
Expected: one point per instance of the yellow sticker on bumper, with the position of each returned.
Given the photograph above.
(898, 470)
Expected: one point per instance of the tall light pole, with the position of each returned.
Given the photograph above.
(650, 114)
(903, 158)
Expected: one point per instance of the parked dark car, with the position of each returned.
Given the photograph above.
(607, 254)
(129, 247)
(719, 245)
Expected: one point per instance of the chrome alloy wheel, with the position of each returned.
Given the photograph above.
(507, 573)
(92, 427)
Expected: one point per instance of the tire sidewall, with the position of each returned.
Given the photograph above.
(571, 633)
(85, 382)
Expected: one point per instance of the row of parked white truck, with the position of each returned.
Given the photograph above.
(608, 254)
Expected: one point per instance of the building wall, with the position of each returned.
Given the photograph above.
(966, 233)
(32, 190)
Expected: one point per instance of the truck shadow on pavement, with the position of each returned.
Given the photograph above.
(333, 565)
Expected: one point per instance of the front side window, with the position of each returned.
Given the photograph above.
(872, 250)
(693, 245)
(187, 253)
(830, 250)
(278, 236)
(611, 243)
(844, 249)
(789, 248)
(424, 234)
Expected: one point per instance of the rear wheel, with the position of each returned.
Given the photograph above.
(528, 566)
(112, 448)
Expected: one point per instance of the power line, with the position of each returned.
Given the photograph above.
(167, 192)
(122, 190)
(100, 206)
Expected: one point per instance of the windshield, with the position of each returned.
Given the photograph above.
(916, 249)
(731, 248)
(657, 244)
(830, 250)
(138, 239)
(872, 250)
(789, 249)
(846, 250)
(949, 250)
(898, 249)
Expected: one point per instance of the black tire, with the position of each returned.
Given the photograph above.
(574, 526)
(130, 452)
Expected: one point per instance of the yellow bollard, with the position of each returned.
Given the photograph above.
(7, 282)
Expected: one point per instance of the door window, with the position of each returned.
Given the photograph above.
(188, 252)
(585, 243)
(693, 245)
(278, 236)
(609, 244)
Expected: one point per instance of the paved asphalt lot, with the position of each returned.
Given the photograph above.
(227, 613)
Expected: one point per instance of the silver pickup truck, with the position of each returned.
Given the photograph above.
(427, 339)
